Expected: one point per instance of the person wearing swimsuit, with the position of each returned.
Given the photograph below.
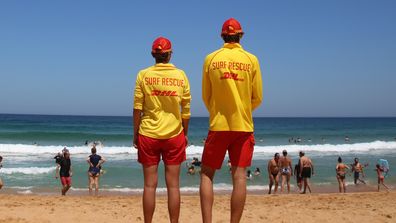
(273, 173)
(357, 169)
(95, 164)
(306, 169)
(381, 177)
(341, 170)
(286, 170)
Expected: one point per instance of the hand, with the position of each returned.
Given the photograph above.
(186, 138)
(71, 174)
(135, 142)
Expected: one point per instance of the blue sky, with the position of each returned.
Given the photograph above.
(318, 58)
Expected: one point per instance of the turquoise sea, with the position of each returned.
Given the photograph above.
(28, 144)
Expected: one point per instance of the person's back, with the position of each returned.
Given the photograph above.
(160, 91)
(231, 88)
(161, 114)
(65, 164)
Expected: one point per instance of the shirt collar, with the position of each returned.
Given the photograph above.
(232, 45)
(164, 65)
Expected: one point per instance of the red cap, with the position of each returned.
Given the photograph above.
(231, 27)
(161, 45)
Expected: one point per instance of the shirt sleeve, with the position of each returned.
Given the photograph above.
(186, 99)
(138, 94)
(206, 85)
(257, 86)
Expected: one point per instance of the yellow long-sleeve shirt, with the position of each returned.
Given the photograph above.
(231, 88)
(162, 92)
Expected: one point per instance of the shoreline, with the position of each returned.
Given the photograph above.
(316, 189)
(325, 207)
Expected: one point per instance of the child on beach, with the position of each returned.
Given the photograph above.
(381, 177)
(64, 171)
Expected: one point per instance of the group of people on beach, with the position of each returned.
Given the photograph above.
(231, 90)
(281, 167)
(64, 170)
(358, 173)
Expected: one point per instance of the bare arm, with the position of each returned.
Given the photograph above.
(89, 162)
(136, 124)
(57, 171)
(101, 161)
(301, 166)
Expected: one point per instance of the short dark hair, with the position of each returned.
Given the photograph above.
(339, 159)
(284, 152)
(232, 38)
(93, 150)
(161, 57)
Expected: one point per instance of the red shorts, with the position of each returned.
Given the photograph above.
(66, 181)
(238, 144)
(173, 150)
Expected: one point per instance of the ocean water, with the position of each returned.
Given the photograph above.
(28, 144)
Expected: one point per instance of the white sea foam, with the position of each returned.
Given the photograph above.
(18, 149)
(28, 170)
(25, 192)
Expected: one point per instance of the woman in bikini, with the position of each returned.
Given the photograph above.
(381, 177)
(341, 170)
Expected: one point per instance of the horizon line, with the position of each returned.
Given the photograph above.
(93, 115)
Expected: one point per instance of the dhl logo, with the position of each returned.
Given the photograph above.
(163, 93)
(233, 76)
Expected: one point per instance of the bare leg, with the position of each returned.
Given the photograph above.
(90, 184)
(172, 173)
(305, 185)
(65, 189)
(271, 182)
(288, 182)
(283, 182)
(206, 193)
(150, 186)
(1, 183)
(96, 185)
(238, 196)
(276, 183)
(343, 185)
(308, 185)
(339, 184)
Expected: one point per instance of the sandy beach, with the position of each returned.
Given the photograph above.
(352, 207)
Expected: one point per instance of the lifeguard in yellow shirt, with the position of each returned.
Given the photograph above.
(161, 114)
(231, 90)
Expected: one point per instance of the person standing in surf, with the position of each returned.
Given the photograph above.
(341, 171)
(286, 170)
(231, 90)
(161, 115)
(306, 171)
(357, 169)
(380, 176)
(95, 165)
(64, 171)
